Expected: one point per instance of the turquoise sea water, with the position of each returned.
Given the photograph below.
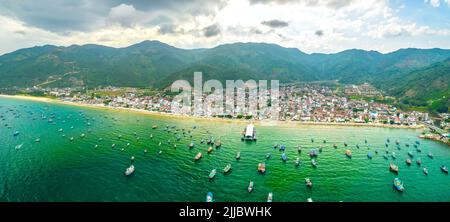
(56, 169)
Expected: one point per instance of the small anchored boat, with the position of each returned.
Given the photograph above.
(238, 155)
(269, 197)
(191, 145)
(348, 153)
(398, 185)
(308, 182)
(408, 161)
(212, 174)
(284, 157)
(227, 168)
(419, 161)
(261, 167)
(129, 170)
(425, 171)
(444, 169)
(393, 168)
(430, 155)
(314, 163)
(313, 153)
(198, 156)
(250, 187)
(282, 148)
(369, 155)
(410, 154)
(19, 146)
(218, 144)
(297, 162)
(210, 149)
(268, 155)
(209, 197)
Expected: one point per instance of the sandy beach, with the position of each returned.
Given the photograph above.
(240, 121)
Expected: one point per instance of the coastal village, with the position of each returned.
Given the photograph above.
(311, 103)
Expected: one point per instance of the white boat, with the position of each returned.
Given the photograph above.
(269, 197)
(129, 170)
(19, 146)
(250, 187)
(249, 133)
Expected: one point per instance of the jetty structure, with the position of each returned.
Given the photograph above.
(249, 133)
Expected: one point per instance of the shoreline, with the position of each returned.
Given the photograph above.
(257, 122)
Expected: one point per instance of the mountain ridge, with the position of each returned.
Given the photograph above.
(157, 64)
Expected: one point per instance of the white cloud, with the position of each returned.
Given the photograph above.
(122, 14)
(366, 24)
(437, 3)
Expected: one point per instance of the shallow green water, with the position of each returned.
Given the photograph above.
(56, 169)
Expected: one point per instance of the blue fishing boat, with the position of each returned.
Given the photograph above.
(209, 197)
(313, 153)
(369, 155)
(410, 154)
(282, 148)
(398, 185)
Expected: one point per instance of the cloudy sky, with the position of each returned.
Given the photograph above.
(309, 25)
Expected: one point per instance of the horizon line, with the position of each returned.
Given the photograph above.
(223, 44)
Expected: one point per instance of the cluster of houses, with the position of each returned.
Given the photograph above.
(307, 103)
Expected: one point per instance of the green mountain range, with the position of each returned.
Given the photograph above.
(420, 77)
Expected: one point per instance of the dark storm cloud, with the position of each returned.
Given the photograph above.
(334, 4)
(76, 15)
(275, 23)
(211, 30)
